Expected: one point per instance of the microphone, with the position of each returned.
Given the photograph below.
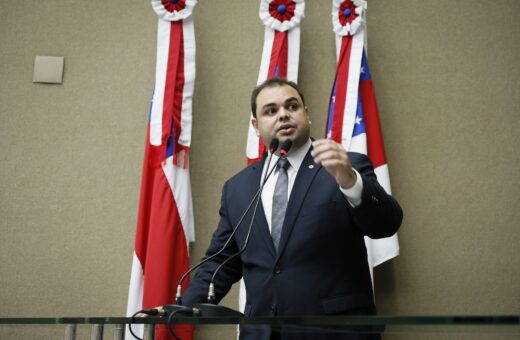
(273, 146)
(284, 149)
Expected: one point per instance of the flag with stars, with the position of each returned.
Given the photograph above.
(367, 139)
(353, 118)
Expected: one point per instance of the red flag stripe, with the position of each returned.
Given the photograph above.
(179, 85)
(375, 145)
(171, 80)
(282, 59)
(173, 92)
(342, 75)
(278, 55)
(166, 258)
(145, 202)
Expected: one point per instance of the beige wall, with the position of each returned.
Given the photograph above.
(446, 75)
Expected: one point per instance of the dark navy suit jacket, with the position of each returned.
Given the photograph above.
(321, 267)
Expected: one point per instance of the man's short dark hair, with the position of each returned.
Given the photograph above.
(273, 82)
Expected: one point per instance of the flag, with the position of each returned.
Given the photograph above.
(353, 117)
(280, 55)
(165, 219)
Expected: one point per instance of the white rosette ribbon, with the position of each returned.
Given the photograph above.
(350, 28)
(274, 23)
(165, 11)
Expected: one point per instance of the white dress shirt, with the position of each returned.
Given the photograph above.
(353, 194)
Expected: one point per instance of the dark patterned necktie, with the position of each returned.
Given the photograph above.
(279, 201)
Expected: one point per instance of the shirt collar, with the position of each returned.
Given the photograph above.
(296, 157)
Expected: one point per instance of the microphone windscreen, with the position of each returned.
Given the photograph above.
(274, 145)
(286, 146)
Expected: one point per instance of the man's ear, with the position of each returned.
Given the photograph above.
(254, 122)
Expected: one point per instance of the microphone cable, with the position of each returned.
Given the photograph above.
(211, 294)
(151, 312)
(273, 146)
(161, 312)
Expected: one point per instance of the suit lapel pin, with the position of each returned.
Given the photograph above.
(311, 166)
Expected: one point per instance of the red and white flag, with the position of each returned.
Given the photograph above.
(353, 118)
(165, 220)
(281, 53)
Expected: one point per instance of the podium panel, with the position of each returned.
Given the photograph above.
(389, 327)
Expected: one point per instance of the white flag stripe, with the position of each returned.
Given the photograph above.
(135, 295)
(189, 81)
(163, 46)
(383, 177)
(252, 143)
(382, 250)
(350, 110)
(359, 144)
(266, 55)
(179, 181)
(252, 139)
(293, 55)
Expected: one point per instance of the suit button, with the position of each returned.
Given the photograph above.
(277, 270)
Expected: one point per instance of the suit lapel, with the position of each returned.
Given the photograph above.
(260, 219)
(303, 181)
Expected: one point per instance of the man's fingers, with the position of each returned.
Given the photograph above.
(322, 156)
(320, 146)
(332, 163)
(333, 157)
(325, 149)
(323, 145)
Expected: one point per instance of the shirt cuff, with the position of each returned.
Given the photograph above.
(354, 193)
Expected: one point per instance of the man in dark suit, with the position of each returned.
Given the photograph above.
(313, 261)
